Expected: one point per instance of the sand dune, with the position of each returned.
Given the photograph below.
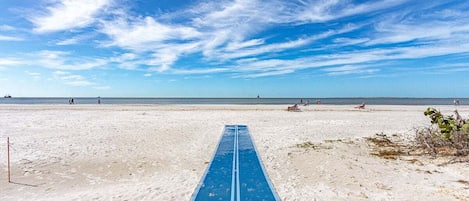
(160, 152)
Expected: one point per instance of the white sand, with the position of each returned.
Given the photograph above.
(160, 152)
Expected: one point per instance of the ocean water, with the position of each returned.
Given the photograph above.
(248, 101)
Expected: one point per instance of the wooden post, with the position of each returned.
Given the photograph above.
(8, 148)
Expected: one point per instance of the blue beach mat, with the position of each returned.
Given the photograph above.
(235, 172)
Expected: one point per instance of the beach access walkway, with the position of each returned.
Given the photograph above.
(235, 172)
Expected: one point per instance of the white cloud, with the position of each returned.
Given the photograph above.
(70, 41)
(327, 10)
(129, 61)
(353, 62)
(229, 36)
(34, 74)
(144, 34)
(220, 30)
(429, 25)
(199, 71)
(10, 62)
(68, 14)
(235, 45)
(392, 32)
(350, 41)
(60, 73)
(102, 87)
(227, 53)
(265, 74)
(77, 39)
(147, 75)
(10, 38)
(80, 83)
(62, 60)
(72, 79)
(350, 69)
(238, 14)
(128, 56)
(5, 27)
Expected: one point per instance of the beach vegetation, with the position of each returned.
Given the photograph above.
(447, 133)
(447, 136)
(309, 145)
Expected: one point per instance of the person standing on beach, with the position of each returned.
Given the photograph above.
(99, 100)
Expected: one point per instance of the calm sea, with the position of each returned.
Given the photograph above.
(248, 101)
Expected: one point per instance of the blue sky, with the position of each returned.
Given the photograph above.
(176, 48)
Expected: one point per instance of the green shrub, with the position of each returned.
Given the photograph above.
(447, 124)
(452, 133)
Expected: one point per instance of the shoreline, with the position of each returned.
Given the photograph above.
(241, 101)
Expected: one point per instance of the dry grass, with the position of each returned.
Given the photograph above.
(384, 147)
(394, 147)
(432, 142)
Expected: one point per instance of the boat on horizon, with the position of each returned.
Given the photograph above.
(7, 96)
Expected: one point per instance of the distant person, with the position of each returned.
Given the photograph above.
(301, 101)
(72, 102)
(456, 102)
(99, 100)
(318, 101)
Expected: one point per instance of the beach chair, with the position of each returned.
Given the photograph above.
(361, 106)
(294, 108)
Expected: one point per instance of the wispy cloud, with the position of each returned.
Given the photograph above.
(10, 38)
(200, 71)
(70, 41)
(32, 73)
(239, 37)
(68, 14)
(165, 43)
(143, 34)
(76, 39)
(35, 75)
(102, 87)
(265, 74)
(280, 47)
(220, 31)
(10, 62)
(61, 73)
(72, 79)
(5, 27)
(79, 83)
(63, 60)
(327, 10)
(349, 69)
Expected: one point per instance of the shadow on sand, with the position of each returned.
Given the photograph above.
(23, 184)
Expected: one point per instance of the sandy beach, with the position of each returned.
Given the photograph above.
(160, 152)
